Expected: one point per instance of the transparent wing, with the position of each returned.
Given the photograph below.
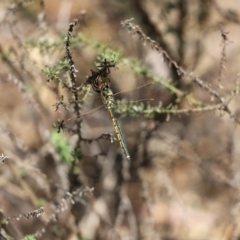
(96, 119)
(94, 113)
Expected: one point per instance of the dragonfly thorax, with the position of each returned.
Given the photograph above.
(107, 96)
(101, 84)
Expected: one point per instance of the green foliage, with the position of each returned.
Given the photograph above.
(79, 39)
(140, 109)
(84, 238)
(112, 57)
(53, 72)
(141, 70)
(29, 237)
(77, 154)
(41, 202)
(5, 53)
(44, 44)
(61, 145)
(22, 173)
(4, 221)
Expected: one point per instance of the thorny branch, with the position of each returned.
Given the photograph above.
(34, 213)
(223, 60)
(153, 44)
(2, 158)
(74, 90)
(181, 72)
(68, 200)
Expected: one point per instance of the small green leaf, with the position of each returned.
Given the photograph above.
(29, 237)
(61, 145)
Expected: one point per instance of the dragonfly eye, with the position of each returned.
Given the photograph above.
(102, 83)
(103, 86)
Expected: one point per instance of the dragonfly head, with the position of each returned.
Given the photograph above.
(100, 79)
(99, 83)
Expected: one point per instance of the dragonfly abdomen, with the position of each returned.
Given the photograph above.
(108, 100)
(101, 84)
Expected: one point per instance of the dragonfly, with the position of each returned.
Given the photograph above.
(101, 85)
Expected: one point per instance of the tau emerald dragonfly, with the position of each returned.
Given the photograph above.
(101, 84)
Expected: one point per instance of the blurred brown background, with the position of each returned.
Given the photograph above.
(183, 182)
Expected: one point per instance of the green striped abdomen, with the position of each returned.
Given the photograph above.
(108, 100)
